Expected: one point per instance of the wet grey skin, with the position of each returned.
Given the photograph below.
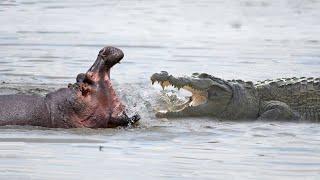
(91, 102)
(280, 99)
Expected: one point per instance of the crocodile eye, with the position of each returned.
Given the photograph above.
(164, 72)
(203, 75)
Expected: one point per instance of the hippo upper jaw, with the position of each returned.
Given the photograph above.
(106, 59)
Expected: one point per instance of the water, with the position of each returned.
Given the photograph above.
(45, 44)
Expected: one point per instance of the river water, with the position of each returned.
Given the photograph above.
(45, 44)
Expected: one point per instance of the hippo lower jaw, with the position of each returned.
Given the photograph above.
(123, 121)
(90, 102)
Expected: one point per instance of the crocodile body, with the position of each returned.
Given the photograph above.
(302, 95)
(280, 99)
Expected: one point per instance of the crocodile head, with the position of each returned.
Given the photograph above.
(210, 95)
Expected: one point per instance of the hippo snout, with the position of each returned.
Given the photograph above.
(111, 55)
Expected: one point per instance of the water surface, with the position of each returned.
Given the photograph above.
(45, 44)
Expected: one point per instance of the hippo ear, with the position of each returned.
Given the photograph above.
(80, 77)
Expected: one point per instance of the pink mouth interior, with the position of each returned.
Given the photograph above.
(118, 107)
(108, 73)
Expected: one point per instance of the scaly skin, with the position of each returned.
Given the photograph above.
(302, 95)
(281, 99)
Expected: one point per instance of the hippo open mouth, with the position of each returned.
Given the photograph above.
(91, 102)
(99, 95)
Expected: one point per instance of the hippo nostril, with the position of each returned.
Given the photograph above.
(111, 54)
(107, 58)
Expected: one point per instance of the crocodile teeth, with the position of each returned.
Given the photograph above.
(163, 86)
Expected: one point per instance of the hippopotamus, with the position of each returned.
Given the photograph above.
(91, 102)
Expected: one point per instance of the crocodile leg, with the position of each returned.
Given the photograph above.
(276, 110)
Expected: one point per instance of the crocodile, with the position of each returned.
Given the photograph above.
(279, 99)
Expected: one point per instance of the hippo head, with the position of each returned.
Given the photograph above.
(94, 101)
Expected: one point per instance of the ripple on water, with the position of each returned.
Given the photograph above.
(45, 44)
